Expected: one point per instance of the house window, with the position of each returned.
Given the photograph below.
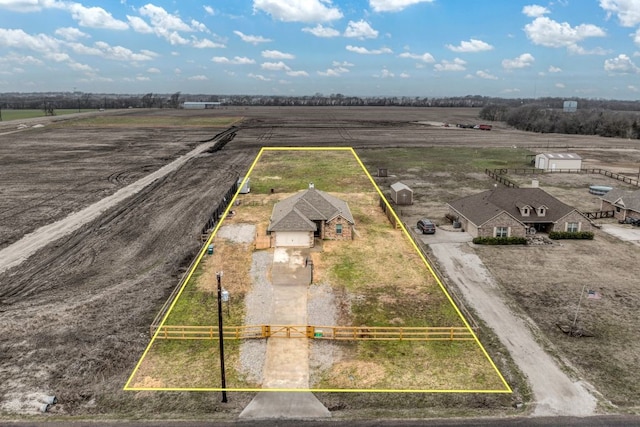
(338, 228)
(618, 209)
(541, 211)
(525, 211)
(502, 231)
(572, 227)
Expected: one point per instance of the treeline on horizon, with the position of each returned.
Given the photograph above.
(84, 100)
(540, 118)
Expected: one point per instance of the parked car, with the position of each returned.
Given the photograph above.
(426, 226)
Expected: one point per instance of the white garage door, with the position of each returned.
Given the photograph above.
(292, 239)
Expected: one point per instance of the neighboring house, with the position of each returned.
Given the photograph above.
(625, 204)
(297, 220)
(511, 212)
(401, 194)
(558, 161)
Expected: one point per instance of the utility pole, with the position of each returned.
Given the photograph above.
(575, 318)
(221, 338)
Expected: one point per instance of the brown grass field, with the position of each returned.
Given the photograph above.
(75, 315)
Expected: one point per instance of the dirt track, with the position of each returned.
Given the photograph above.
(75, 315)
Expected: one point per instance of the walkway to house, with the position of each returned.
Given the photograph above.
(287, 362)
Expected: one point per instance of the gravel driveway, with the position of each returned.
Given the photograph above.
(554, 392)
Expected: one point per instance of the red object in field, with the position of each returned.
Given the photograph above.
(485, 127)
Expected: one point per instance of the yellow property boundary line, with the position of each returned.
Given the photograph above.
(203, 250)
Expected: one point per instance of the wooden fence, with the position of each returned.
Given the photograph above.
(497, 173)
(599, 214)
(338, 333)
(501, 179)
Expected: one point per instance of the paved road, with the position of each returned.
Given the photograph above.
(599, 421)
(554, 392)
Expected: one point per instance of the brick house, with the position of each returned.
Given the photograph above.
(625, 204)
(298, 220)
(512, 212)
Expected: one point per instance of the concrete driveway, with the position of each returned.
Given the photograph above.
(624, 233)
(443, 236)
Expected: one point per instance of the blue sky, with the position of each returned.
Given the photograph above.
(426, 48)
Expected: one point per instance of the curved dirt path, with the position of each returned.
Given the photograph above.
(14, 254)
(554, 392)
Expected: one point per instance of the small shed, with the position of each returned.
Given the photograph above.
(401, 194)
(558, 161)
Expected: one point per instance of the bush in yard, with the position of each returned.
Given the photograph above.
(500, 240)
(557, 235)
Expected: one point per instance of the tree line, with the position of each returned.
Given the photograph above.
(584, 121)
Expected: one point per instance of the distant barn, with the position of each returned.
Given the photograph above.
(558, 161)
(200, 105)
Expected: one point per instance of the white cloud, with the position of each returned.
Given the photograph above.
(394, 5)
(365, 51)
(560, 85)
(621, 64)
(515, 90)
(206, 44)
(336, 71)
(485, 75)
(139, 25)
(322, 31)
(237, 60)
(29, 5)
(161, 19)
(95, 17)
(384, 74)
(404, 75)
(275, 66)
(553, 69)
(522, 61)
(425, 57)
(276, 54)
(259, 77)
(153, 70)
(297, 73)
(342, 64)
(58, 56)
(535, 10)
(198, 78)
(117, 53)
(632, 88)
(20, 59)
(21, 40)
(143, 78)
(547, 32)
(628, 11)
(251, 39)
(70, 33)
(298, 10)
(361, 30)
(456, 65)
(636, 37)
(209, 10)
(472, 45)
(81, 67)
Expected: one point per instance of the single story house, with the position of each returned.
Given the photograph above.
(401, 194)
(625, 204)
(297, 220)
(558, 161)
(514, 212)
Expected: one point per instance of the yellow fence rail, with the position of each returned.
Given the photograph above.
(339, 333)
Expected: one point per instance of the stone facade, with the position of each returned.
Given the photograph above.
(516, 228)
(619, 213)
(329, 229)
(583, 223)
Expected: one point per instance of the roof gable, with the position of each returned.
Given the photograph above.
(626, 199)
(481, 207)
(312, 205)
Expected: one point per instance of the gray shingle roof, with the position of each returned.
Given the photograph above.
(481, 207)
(297, 213)
(628, 199)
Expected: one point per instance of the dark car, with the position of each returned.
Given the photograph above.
(426, 226)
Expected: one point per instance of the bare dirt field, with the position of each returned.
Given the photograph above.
(75, 315)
